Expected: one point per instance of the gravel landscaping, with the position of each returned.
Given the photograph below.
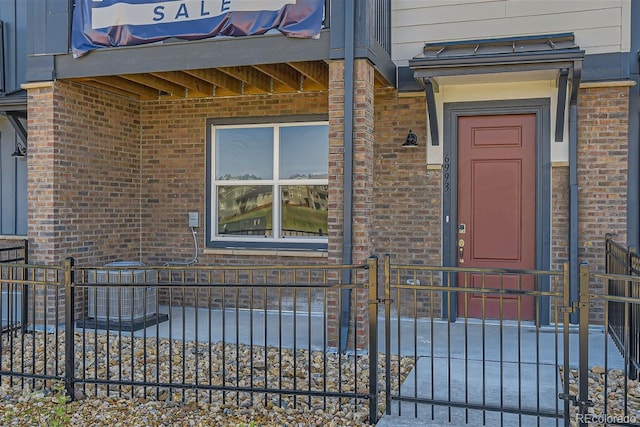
(615, 404)
(113, 356)
(44, 403)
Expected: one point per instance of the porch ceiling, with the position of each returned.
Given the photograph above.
(290, 77)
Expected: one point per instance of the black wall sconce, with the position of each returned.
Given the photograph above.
(412, 140)
(18, 121)
(20, 149)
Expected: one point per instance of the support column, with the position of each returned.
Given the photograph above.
(42, 213)
(361, 170)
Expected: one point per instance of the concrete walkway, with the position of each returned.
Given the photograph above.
(504, 366)
(515, 370)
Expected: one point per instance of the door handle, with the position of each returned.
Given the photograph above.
(461, 251)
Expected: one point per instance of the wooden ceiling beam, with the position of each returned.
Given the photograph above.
(145, 92)
(250, 76)
(218, 79)
(157, 83)
(317, 71)
(98, 85)
(193, 84)
(283, 74)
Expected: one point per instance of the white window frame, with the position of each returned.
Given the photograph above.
(276, 240)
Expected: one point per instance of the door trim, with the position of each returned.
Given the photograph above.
(541, 108)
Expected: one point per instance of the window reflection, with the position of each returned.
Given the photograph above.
(303, 152)
(244, 153)
(245, 210)
(304, 210)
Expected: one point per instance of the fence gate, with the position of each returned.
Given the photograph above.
(13, 298)
(478, 371)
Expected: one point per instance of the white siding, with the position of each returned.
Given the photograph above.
(600, 26)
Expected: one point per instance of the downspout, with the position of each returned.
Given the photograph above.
(347, 198)
(633, 177)
(574, 270)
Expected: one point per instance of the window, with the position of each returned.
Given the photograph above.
(269, 185)
(13, 184)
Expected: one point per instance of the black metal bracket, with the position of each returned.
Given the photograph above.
(430, 87)
(561, 104)
(380, 301)
(583, 405)
(568, 397)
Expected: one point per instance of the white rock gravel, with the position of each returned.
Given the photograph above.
(40, 402)
(615, 394)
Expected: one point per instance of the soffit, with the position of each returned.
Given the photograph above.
(258, 79)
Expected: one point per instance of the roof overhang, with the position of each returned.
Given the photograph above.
(13, 101)
(528, 55)
(14, 106)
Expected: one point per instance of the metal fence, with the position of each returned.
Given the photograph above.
(623, 318)
(467, 346)
(15, 253)
(611, 393)
(250, 335)
(11, 295)
(481, 358)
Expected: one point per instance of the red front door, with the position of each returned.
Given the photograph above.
(496, 210)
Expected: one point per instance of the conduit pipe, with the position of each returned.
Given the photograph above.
(347, 198)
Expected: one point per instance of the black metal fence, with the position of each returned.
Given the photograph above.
(12, 311)
(15, 253)
(482, 356)
(468, 346)
(623, 318)
(249, 336)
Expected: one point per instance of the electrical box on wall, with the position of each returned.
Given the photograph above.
(194, 219)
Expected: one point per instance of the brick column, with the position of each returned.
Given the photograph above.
(41, 176)
(83, 182)
(603, 113)
(41, 193)
(363, 167)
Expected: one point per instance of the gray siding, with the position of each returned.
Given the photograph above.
(13, 184)
(49, 26)
(13, 14)
(600, 26)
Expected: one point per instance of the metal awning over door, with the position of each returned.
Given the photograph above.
(501, 55)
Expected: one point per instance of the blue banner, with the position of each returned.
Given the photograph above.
(109, 23)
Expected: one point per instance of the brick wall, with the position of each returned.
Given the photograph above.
(84, 175)
(407, 207)
(112, 178)
(602, 182)
(83, 184)
(363, 189)
(602, 174)
(602, 169)
(559, 216)
(408, 198)
(174, 167)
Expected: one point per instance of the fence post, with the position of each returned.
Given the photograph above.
(25, 289)
(631, 310)
(387, 332)
(372, 266)
(566, 303)
(583, 369)
(69, 308)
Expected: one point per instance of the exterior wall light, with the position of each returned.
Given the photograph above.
(412, 140)
(20, 149)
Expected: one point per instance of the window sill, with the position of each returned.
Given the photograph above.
(266, 252)
(12, 237)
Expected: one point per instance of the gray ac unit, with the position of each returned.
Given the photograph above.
(11, 307)
(120, 303)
